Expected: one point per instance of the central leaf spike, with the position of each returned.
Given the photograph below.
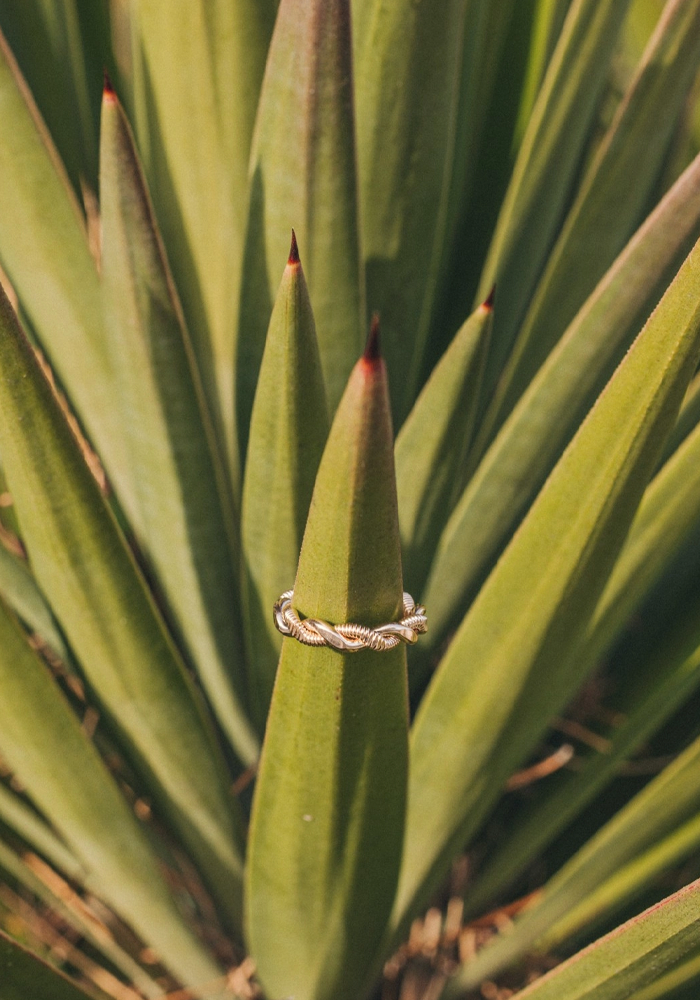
(328, 814)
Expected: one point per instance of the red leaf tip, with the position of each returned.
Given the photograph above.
(490, 299)
(293, 250)
(108, 89)
(373, 351)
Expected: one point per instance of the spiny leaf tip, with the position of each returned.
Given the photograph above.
(293, 250)
(490, 299)
(373, 352)
(108, 89)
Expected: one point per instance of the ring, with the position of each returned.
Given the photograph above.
(350, 638)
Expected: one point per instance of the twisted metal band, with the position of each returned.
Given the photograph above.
(350, 638)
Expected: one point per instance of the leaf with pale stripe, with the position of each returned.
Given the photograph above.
(547, 161)
(607, 207)
(624, 960)
(433, 442)
(288, 431)
(303, 177)
(44, 250)
(188, 531)
(519, 460)
(325, 837)
(513, 663)
(656, 829)
(420, 111)
(204, 66)
(665, 677)
(90, 813)
(18, 588)
(103, 605)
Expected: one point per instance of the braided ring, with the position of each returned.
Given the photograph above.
(350, 638)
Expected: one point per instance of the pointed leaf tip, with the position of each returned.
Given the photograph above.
(107, 89)
(293, 250)
(373, 352)
(489, 300)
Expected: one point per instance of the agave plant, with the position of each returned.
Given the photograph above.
(194, 422)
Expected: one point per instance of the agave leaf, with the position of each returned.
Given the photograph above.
(614, 966)
(513, 663)
(44, 250)
(433, 442)
(545, 418)
(639, 26)
(663, 526)
(680, 974)
(47, 40)
(25, 822)
(547, 161)
(84, 921)
(548, 20)
(485, 27)
(498, 66)
(688, 418)
(90, 813)
(203, 66)
(105, 609)
(24, 974)
(303, 177)
(420, 78)
(655, 829)
(327, 824)
(288, 430)
(180, 482)
(630, 878)
(608, 207)
(18, 589)
(670, 673)
(662, 529)
(686, 142)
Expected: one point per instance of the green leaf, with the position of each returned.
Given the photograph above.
(513, 663)
(518, 462)
(548, 21)
(686, 142)
(614, 966)
(79, 917)
(607, 208)
(659, 826)
(44, 250)
(665, 522)
(639, 26)
(547, 162)
(327, 825)
(303, 178)
(20, 817)
(630, 878)
(18, 589)
(24, 974)
(47, 41)
(288, 430)
(499, 64)
(688, 418)
(204, 66)
(187, 530)
(665, 677)
(101, 602)
(484, 28)
(419, 115)
(433, 442)
(679, 975)
(90, 813)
